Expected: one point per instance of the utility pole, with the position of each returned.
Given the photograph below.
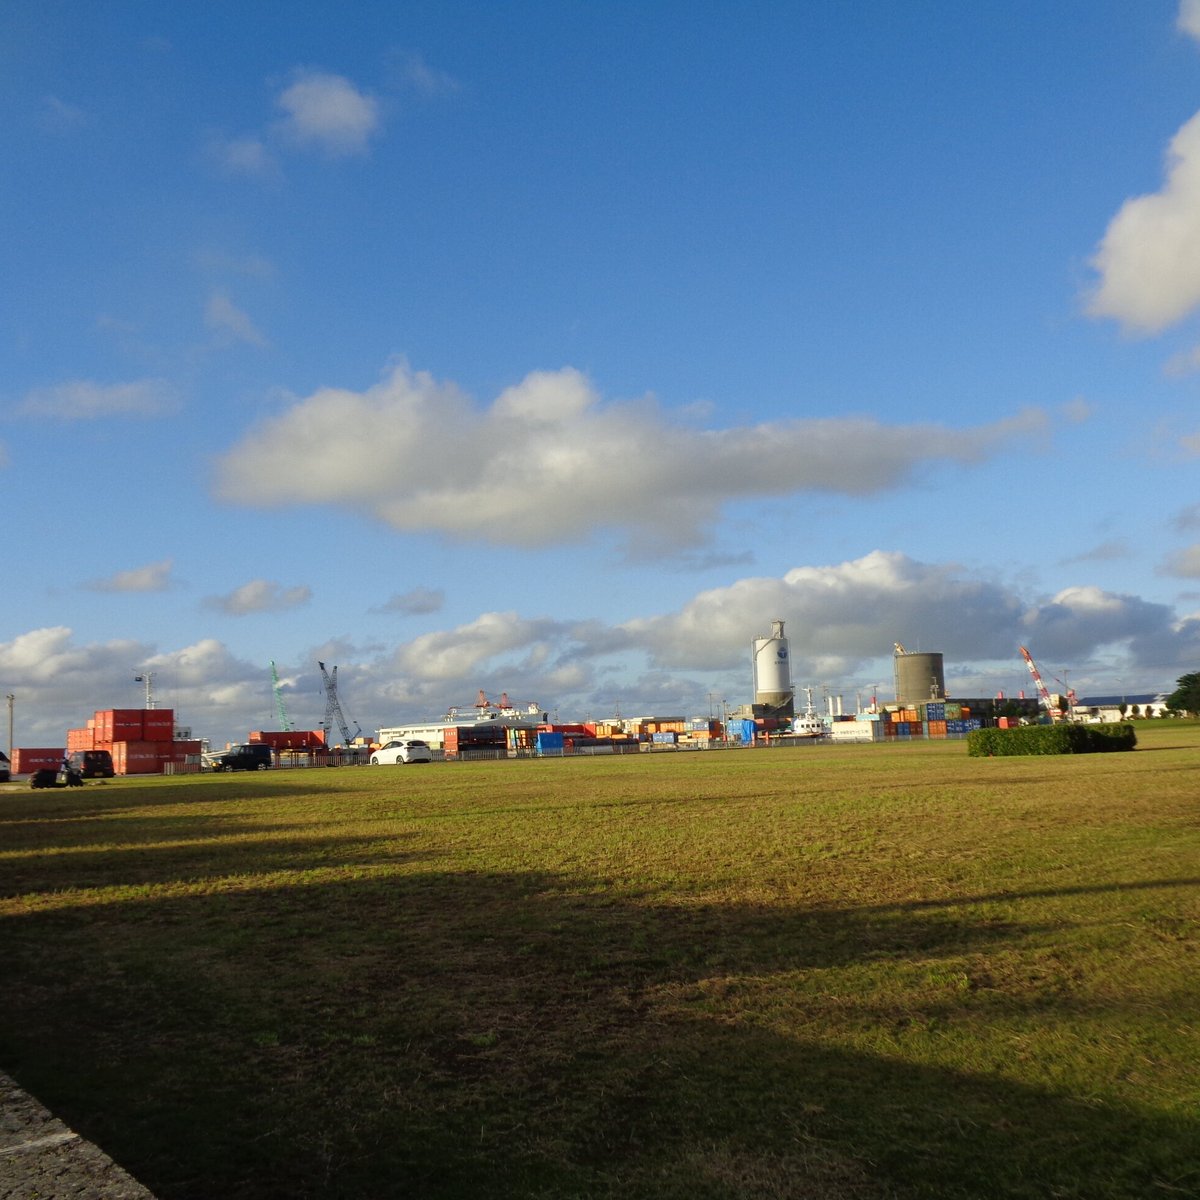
(11, 701)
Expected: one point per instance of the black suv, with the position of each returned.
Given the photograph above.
(248, 756)
(90, 764)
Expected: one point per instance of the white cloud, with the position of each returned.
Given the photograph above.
(1187, 519)
(219, 262)
(418, 601)
(1076, 411)
(226, 319)
(57, 116)
(247, 155)
(1183, 564)
(1149, 258)
(329, 112)
(85, 400)
(154, 577)
(421, 77)
(847, 612)
(1078, 620)
(259, 596)
(549, 463)
(1189, 18)
(1186, 362)
(1108, 551)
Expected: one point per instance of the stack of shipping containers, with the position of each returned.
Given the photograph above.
(140, 740)
(933, 719)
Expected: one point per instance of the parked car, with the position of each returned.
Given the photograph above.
(48, 777)
(401, 750)
(245, 756)
(90, 764)
(5, 767)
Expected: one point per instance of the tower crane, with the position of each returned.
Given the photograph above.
(1054, 712)
(333, 708)
(280, 708)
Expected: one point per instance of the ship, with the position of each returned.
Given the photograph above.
(808, 724)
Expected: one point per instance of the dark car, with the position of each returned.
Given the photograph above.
(247, 756)
(5, 767)
(90, 764)
(48, 777)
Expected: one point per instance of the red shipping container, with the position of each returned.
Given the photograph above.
(295, 739)
(158, 724)
(127, 725)
(26, 760)
(187, 747)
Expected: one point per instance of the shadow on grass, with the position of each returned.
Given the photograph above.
(101, 798)
(507, 1035)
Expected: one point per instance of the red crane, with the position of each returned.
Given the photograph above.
(1054, 712)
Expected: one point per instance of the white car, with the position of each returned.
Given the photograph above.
(400, 751)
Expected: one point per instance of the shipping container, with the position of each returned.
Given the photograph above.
(550, 743)
(158, 724)
(289, 739)
(26, 759)
(140, 757)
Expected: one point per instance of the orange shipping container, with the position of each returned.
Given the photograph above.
(140, 757)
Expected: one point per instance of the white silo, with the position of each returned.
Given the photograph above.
(772, 669)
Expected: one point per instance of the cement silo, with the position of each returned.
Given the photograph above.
(919, 677)
(773, 672)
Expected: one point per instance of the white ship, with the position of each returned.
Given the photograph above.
(808, 724)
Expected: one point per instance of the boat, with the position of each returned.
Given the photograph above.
(808, 724)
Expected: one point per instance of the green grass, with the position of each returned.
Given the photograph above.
(837, 972)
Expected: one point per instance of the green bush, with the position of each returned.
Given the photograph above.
(1050, 739)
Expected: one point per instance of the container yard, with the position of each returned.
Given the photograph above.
(147, 741)
(141, 741)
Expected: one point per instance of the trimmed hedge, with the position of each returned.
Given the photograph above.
(1050, 739)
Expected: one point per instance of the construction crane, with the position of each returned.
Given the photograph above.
(333, 708)
(1055, 713)
(280, 707)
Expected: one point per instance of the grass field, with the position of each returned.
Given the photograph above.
(836, 972)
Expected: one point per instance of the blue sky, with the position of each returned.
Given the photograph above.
(558, 349)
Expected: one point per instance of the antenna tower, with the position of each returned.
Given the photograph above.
(147, 677)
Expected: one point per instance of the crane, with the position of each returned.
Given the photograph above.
(333, 708)
(1055, 713)
(280, 708)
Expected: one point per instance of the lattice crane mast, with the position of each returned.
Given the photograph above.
(333, 708)
(280, 708)
(1054, 712)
